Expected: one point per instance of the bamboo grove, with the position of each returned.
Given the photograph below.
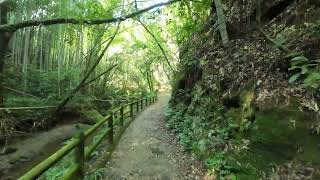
(56, 62)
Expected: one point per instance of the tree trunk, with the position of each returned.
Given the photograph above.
(4, 41)
(258, 12)
(222, 23)
(26, 58)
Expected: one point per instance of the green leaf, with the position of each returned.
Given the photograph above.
(299, 58)
(281, 39)
(313, 80)
(304, 69)
(294, 67)
(294, 77)
(293, 54)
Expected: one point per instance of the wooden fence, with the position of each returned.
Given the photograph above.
(77, 144)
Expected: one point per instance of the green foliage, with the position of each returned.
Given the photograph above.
(313, 80)
(280, 39)
(203, 130)
(96, 175)
(307, 69)
(58, 170)
(219, 163)
(189, 18)
(294, 77)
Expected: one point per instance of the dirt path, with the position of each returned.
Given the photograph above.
(147, 151)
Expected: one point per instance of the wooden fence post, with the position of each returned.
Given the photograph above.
(131, 110)
(79, 154)
(121, 116)
(137, 106)
(110, 126)
(141, 101)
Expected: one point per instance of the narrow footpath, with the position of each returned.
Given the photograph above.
(148, 151)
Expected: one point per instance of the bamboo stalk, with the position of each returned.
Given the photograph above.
(222, 23)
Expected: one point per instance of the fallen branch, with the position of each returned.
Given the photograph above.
(21, 92)
(23, 108)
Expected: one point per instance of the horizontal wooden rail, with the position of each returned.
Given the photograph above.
(71, 173)
(82, 153)
(46, 164)
(96, 126)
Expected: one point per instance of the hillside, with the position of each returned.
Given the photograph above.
(250, 109)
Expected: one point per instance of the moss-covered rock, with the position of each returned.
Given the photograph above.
(280, 135)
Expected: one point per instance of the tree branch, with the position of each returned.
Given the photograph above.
(101, 74)
(21, 92)
(159, 45)
(30, 23)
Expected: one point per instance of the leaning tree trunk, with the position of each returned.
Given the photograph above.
(4, 41)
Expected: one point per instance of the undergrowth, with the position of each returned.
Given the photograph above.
(203, 129)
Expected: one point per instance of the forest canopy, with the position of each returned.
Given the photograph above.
(48, 57)
(58, 56)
